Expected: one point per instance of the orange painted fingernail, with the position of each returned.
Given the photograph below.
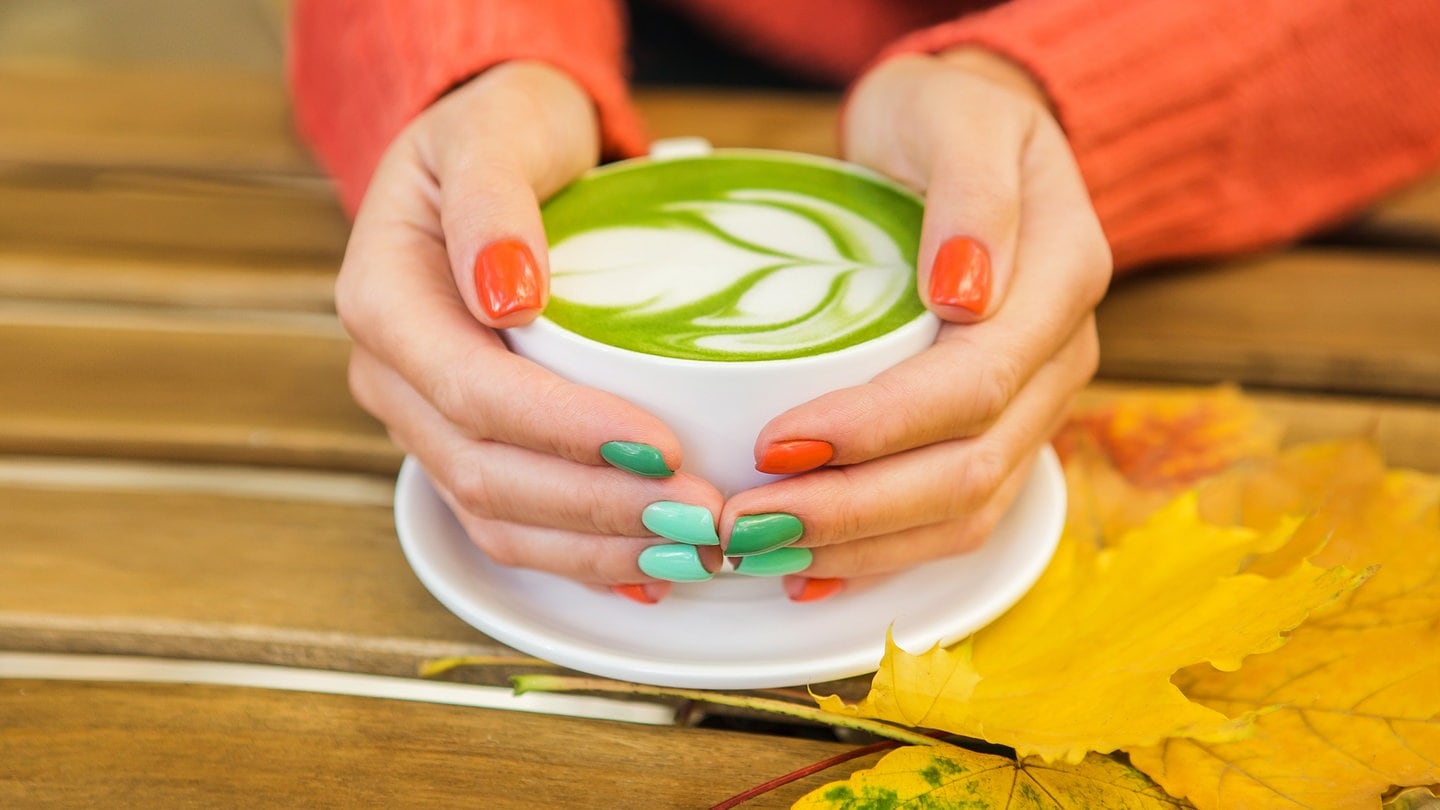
(638, 593)
(507, 279)
(810, 589)
(800, 455)
(960, 276)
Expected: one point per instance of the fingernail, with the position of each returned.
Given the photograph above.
(757, 534)
(641, 459)
(810, 589)
(674, 562)
(960, 276)
(681, 521)
(645, 594)
(775, 563)
(507, 279)
(800, 455)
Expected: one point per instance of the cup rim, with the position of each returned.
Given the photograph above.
(546, 328)
(925, 320)
(754, 153)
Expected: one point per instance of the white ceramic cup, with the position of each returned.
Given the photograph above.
(717, 408)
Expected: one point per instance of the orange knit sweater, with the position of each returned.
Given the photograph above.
(1201, 128)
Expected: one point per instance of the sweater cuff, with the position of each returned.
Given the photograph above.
(1210, 128)
(360, 71)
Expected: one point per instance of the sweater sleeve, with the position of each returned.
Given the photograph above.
(359, 70)
(1227, 125)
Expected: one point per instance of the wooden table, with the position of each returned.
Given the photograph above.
(189, 499)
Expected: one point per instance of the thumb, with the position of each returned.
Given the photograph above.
(504, 141)
(961, 139)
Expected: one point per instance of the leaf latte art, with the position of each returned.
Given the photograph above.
(730, 266)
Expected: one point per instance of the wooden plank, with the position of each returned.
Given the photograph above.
(98, 745)
(1322, 321)
(164, 117)
(234, 564)
(216, 563)
(125, 211)
(168, 280)
(245, 386)
(1408, 219)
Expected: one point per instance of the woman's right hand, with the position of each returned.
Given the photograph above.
(447, 247)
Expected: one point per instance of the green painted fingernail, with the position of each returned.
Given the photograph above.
(757, 534)
(775, 563)
(641, 459)
(673, 520)
(674, 562)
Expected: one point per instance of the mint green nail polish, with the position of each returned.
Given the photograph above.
(757, 534)
(775, 563)
(641, 459)
(674, 562)
(673, 520)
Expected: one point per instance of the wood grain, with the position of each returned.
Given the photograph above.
(105, 745)
(96, 560)
(1326, 321)
(251, 386)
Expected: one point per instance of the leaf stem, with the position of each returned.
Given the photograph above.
(439, 666)
(800, 773)
(560, 683)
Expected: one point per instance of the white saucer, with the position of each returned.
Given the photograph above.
(732, 632)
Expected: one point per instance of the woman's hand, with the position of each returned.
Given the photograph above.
(448, 246)
(923, 461)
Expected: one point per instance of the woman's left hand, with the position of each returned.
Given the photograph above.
(923, 461)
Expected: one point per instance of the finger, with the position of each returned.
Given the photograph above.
(960, 385)
(509, 138)
(962, 142)
(871, 557)
(495, 481)
(589, 558)
(938, 482)
(397, 299)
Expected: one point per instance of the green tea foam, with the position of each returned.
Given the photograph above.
(732, 257)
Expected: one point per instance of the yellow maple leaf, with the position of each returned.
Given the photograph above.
(1083, 662)
(953, 778)
(1358, 686)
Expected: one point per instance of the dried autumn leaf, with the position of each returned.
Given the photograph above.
(1358, 686)
(1169, 440)
(1416, 798)
(1083, 662)
(928, 777)
(1129, 454)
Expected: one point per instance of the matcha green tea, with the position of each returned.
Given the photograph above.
(735, 256)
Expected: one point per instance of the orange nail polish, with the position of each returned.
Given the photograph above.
(635, 593)
(507, 279)
(813, 590)
(800, 455)
(960, 276)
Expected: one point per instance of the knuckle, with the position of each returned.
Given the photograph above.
(840, 516)
(1000, 379)
(900, 401)
(981, 477)
(472, 487)
(502, 547)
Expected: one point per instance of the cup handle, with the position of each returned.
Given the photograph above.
(683, 147)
